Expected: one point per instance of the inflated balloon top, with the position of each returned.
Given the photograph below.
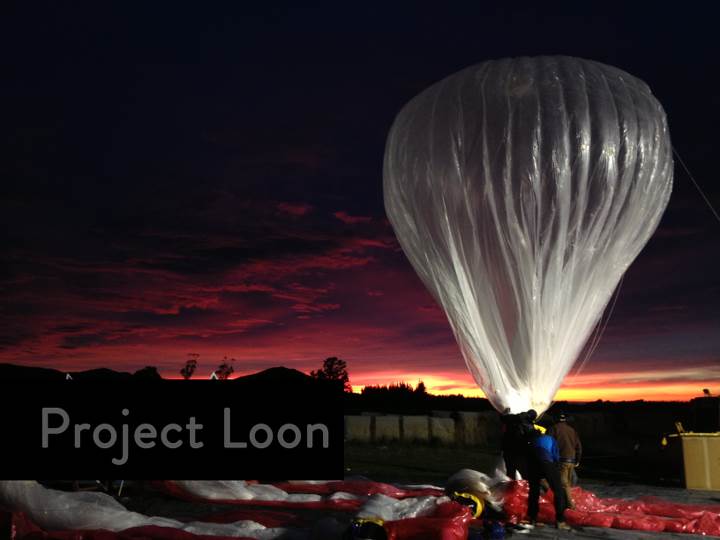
(521, 190)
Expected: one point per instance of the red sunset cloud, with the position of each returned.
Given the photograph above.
(294, 209)
(354, 297)
(351, 220)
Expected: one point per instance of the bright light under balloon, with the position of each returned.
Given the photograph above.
(521, 190)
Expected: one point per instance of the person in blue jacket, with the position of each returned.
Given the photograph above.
(543, 462)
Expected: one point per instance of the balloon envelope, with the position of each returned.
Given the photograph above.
(521, 190)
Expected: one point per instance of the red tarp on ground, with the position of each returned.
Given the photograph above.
(24, 529)
(172, 488)
(362, 488)
(644, 514)
(450, 521)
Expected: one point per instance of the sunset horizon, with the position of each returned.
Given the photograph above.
(236, 208)
(582, 388)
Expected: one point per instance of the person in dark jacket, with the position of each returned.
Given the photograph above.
(570, 453)
(517, 429)
(543, 459)
(509, 447)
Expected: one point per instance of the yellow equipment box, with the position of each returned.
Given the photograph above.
(701, 459)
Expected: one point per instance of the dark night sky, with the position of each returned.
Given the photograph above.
(209, 180)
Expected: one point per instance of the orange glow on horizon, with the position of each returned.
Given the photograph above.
(578, 388)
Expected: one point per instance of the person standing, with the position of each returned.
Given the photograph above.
(516, 436)
(570, 453)
(543, 459)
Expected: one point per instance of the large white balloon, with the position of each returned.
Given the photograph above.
(521, 190)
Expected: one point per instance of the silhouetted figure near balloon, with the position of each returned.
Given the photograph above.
(543, 460)
(529, 418)
(517, 431)
(570, 453)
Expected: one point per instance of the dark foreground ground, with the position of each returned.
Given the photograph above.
(623, 490)
(427, 464)
(615, 477)
(159, 505)
(412, 463)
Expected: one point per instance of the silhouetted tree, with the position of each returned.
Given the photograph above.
(334, 369)
(190, 366)
(225, 369)
(420, 389)
(394, 389)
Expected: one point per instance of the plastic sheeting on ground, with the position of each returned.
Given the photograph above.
(39, 513)
(412, 513)
(359, 487)
(53, 510)
(235, 490)
(334, 495)
(644, 514)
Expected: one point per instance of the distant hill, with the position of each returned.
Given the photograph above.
(275, 376)
(13, 372)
